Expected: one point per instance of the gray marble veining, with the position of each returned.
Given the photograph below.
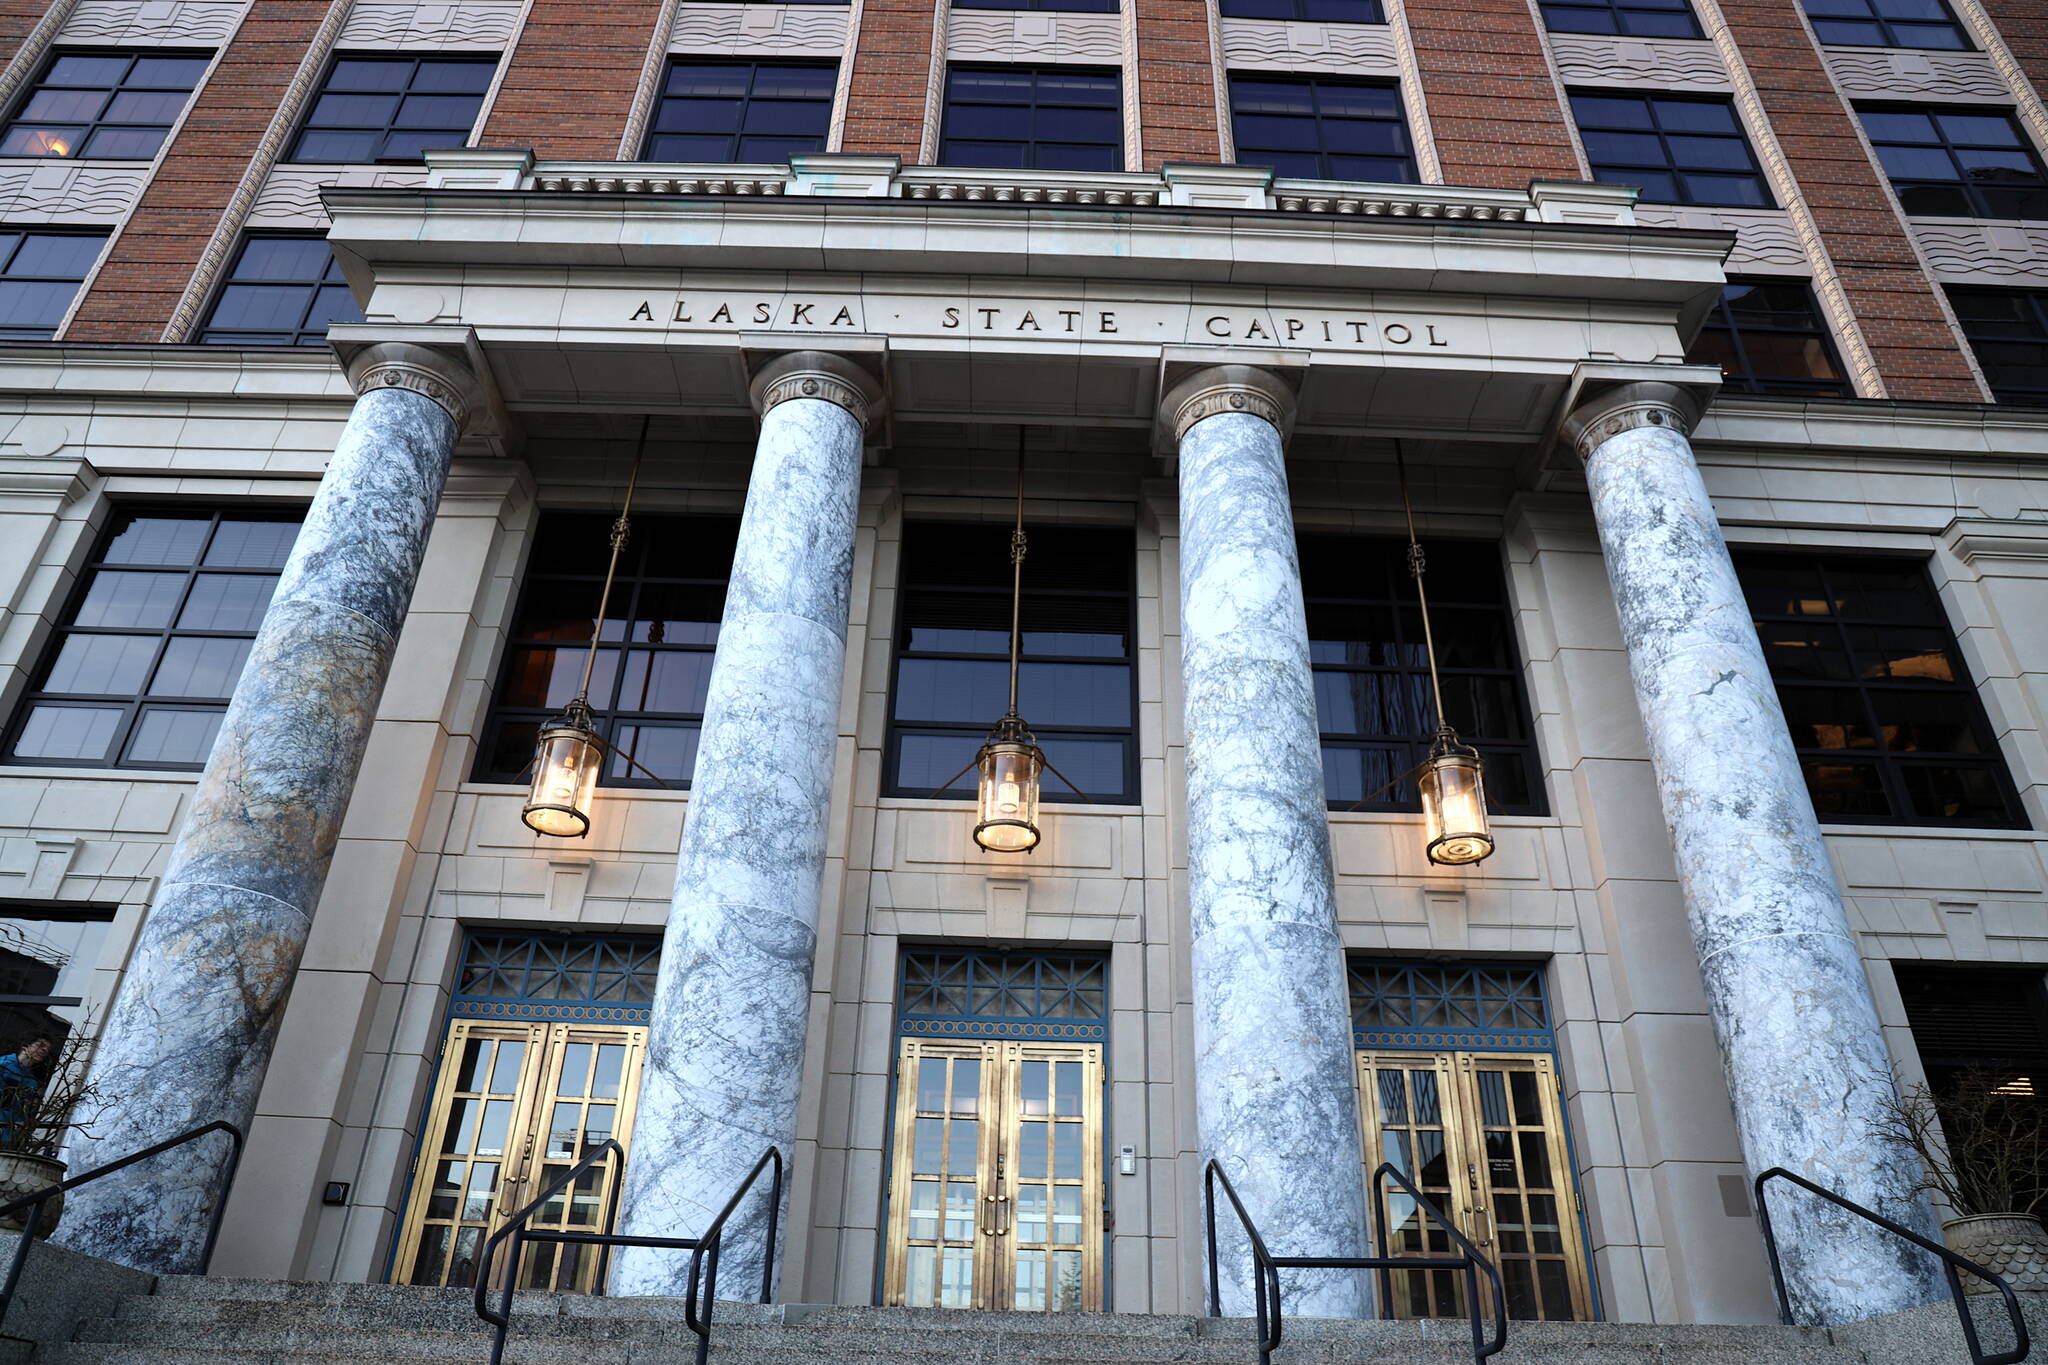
(192, 1026)
(726, 1043)
(1275, 1087)
(1807, 1066)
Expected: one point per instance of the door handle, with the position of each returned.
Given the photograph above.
(1002, 1206)
(1486, 1213)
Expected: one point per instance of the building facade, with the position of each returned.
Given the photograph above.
(1707, 338)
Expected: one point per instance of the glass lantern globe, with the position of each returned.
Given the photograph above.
(1454, 808)
(1009, 796)
(564, 780)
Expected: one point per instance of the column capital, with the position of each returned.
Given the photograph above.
(440, 363)
(1227, 388)
(1609, 410)
(817, 374)
(429, 373)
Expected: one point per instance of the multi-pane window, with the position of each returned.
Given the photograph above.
(1681, 151)
(154, 641)
(1767, 337)
(1886, 23)
(1373, 701)
(1629, 18)
(47, 958)
(281, 291)
(109, 106)
(1076, 685)
(393, 108)
(654, 658)
(1958, 163)
(1089, 6)
(1883, 716)
(2008, 331)
(742, 111)
(1033, 118)
(39, 276)
(1309, 11)
(1321, 128)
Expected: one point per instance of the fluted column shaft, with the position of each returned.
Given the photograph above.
(1275, 1088)
(1806, 1063)
(192, 1027)
(726, 1042)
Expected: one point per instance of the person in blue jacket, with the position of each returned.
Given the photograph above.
(21, 1079)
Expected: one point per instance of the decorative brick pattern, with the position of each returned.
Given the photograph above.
(139, 286)
(1917, 352)
(892, 74)
(1492, 103)
(1176, 91)
(569, 85)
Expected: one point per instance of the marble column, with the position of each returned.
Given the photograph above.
(193, 1023)
(1275, 1089)
(726, 1044)
(1806, 1064)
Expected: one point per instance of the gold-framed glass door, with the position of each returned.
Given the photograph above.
(514, 1107)
(1483, 1135)
(996, 1187)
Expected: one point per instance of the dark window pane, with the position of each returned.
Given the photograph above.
(1321, 128)
(1677, 150)
(283, 288)
(52, 730)
(742, 112)
(113, 107)
(1025, 117)
(375, 108)
(1769, 338)
(173, 736)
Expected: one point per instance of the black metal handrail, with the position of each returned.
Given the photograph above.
(34, 1202)
(1267, 1267)
(703, 1248)
(1950, 1263)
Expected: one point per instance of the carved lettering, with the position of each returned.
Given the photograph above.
(1434, 339)
(800, 313)
(1256, 331)
(764, 312)
(1029, 321)
(681, 316)
(1070, 314)
(643, 311)
(952, 319)
(988, 318)
(844, 315)
(1108, 322)
(1403, 339)
(1214, 330)
(1294, 327)
(724, 313)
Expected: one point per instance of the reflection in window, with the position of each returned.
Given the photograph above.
(39, 276)
(1958, 163)
(47, 958)
(1319, 128)
(154, 641)
(281, 291)
(1767, 337)
(105, 106)
(393, 108)
(742, 111)
(1372, 674)
(1885, 720)
(1627, 18)
(1076, 685)
(1681, 151)
(654, 662)
(1308, 11)
(2008, 331)
(1886, 23)
(1047, 118)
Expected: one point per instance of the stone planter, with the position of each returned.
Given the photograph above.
(24, 1175)
(2013, 1244)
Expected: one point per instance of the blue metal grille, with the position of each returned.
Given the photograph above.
(587, 977)
(1434, 1005)
(954, 993)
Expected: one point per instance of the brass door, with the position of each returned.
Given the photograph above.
(515, 1106)
(1483, 1136)
(995, 1197)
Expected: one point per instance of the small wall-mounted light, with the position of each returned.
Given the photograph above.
(335, 1193)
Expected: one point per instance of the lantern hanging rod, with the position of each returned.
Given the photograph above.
(622, 531)
(1415, 567)
(1017, 548)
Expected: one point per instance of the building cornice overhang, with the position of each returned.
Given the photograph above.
(1914, 429)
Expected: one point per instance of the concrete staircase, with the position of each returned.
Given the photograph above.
(192, 1321)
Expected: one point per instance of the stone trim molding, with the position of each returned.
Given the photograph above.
(817, 374)
(645, 90)
(2026, 99)
(432, 374)
(1223, 389)
(1609, 412)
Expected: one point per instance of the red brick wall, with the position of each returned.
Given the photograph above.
(2024, 26)
(1176, 87)
(1917, 353)
(147, 270)
(1492, 105)
(569, 87)
(892, 68)
(17, 20)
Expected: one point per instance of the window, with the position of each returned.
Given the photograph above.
(152, 645)
(1419, 995)
(1076, 685)
(1089, 6)
(1886, 723)
(660, 632)
(39, 276)
(1372, 676)
(1886, 23)
(742, 111)
(2008, 330)
(940, 983)
(598, 969)
(1047, 119)
(1309, 11)
(1321, 129)
(393, 108)
(47, 958)
(109, 106)
(1767, 337)
(281, 291)
(1958, 163)
(1628, 18)
(1977, 1019)
(1681, 151)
